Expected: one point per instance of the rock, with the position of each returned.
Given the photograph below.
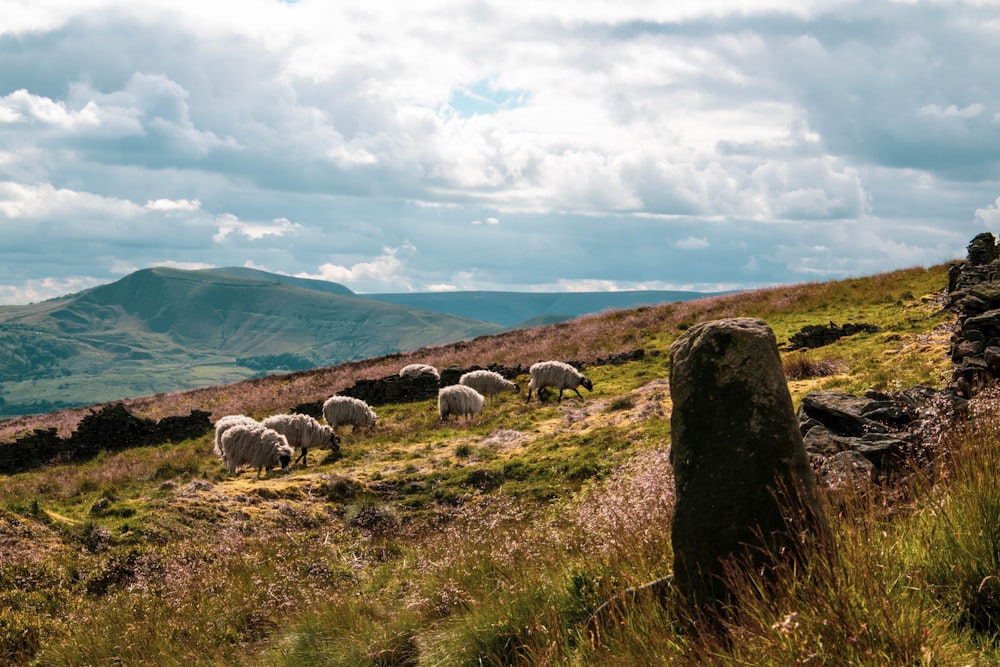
(818, 335)
(841, 412)
(740, 467)
(983, 249)
(821, 440)
(847, 469)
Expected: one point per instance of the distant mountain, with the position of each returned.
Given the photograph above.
(529, 309)
(305, 283)
(161, 330)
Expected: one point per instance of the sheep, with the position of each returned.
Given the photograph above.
(488, 383)
(419, 370)
(223, 425)
(338, 410)
(303, 431)
(459, 400)
(256, 446)
(557, 375)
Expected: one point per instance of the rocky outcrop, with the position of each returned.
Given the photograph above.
(745, 491)
(818, 335)
(874, 437)
(974, 291)
(112, 428)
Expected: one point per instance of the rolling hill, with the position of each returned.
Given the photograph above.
(163, 330)
(528, 309)
(490, 541)
(160, 330)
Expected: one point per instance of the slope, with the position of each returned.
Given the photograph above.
(161, 329)
(481, 542)
(527, 309)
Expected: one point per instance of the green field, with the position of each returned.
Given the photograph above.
(491, 541)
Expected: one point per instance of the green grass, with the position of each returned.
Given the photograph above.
(490, 541)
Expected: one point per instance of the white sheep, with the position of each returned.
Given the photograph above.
(557, 375)
(488, 383)
(255, 446)
(459, 400)
(419, 370)
(303, 431)
(340, 410)
(223, 425)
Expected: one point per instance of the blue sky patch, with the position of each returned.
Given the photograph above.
(481, 98)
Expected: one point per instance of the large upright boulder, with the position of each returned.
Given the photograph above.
(744, 488)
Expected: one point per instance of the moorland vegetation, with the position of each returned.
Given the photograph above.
(492, 540)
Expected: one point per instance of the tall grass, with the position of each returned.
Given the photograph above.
(960, 527)
(492, 542)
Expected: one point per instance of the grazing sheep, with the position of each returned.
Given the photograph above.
(419, 370)
(339, 410)
(557, 375)
(223, 425)
(488, 383)
(459, 400)
(303, 431)
(255, 446)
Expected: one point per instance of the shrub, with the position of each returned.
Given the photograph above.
(20, 637)
(373, 517)
(800, 366)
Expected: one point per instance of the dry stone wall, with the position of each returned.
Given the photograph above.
(974, 290)
(112, 428)
(878, 435)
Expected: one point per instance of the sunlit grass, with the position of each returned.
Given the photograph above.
(491, 540)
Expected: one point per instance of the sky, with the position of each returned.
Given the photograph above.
(556, 145)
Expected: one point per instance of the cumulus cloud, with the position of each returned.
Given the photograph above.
(989, 216)
(43, 201)
(385, 273)
(230, 224)
(33, 291)
(610, 146)
(169, 205)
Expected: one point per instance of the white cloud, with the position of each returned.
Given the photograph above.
(726, 124)
(21, 106)
(692, 243)
(379, 274)
(171, 205)
(229, 224)
(951, 111)
(42, 200)
(990, 215)
(32, 291)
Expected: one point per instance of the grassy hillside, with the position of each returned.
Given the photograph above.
(490, 541)
(163, 329)
(524, 309)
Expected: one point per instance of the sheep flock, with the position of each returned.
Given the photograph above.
(240, 440)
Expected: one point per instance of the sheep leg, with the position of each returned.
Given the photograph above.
(578, 393)
(303, 456)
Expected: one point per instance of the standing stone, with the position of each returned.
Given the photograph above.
(740, 467)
